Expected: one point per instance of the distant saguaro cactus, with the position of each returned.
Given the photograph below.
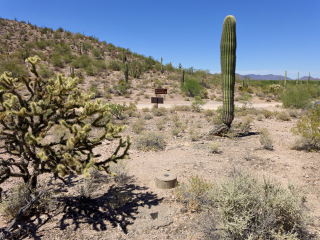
(161, 65)
(285, 80)
(228, 66)
(182, 77)
(126, 72)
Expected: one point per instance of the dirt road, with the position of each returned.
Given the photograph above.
(210, 105)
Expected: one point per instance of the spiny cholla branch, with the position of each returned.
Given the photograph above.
(31, 109)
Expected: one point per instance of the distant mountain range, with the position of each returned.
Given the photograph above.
(273, 77)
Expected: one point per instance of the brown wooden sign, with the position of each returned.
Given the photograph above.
(161, 91)
(156, 100)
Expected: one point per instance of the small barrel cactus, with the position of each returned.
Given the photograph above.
(228, 66)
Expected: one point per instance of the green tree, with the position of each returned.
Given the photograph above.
(191, 88)
(30, 110)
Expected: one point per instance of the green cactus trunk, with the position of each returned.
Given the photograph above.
(182, 77)
(126, 72)
(228, 67)
(72, 72)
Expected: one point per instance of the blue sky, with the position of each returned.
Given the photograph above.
(272, 36)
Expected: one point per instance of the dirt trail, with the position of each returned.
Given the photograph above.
(210, 105)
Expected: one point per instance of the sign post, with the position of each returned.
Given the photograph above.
(157, 99)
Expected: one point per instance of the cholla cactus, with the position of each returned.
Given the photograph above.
(31, 108)
(275, 88)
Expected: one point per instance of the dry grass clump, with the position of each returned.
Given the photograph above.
(266, 113)
(244, 208)
(194, 134)
(294, 113)
(161, 111)
(19, 197)
(283, 116)
(176, 108)
(148, 116)
(208, 112)
(265, 139)
(215, 147)
(150, 141)
(160, 124)
(138, 125)
(260, 117)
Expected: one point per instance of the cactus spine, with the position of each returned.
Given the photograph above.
(161, 65)
(228, 67)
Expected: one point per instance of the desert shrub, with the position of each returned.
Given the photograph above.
(87, 186)
(138, 125)
(308, 127)
(194, 134)
(293, 113)
(150, 141)
(114, 65)
(191, 87)
(218, 99)
(161, 111)
(249, 209)
(215, 147)
(57, 60)
(265, 139)
(118, 110)
(146, 109)
(160, 125)
(267, 113)
(283, 116)
(14, 66)
(120, 172)
(121, 88)
(244, 97)
(208, 112)
(19, 197)
(296, 97)
(245, 125)
(148, 116)
(175, 108)
(260, 117)
(90, 70)
(197, 104)
(194, 194)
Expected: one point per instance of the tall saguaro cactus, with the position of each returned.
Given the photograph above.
(228, 67)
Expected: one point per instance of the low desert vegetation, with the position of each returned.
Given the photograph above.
(308, 128)
(266, 140)
(245, 208)
(150, 141)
